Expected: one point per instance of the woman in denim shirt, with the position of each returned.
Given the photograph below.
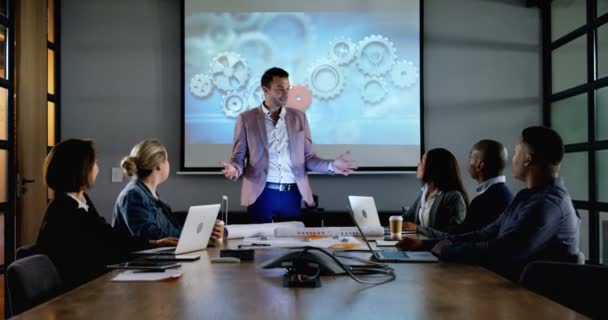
(138, 209)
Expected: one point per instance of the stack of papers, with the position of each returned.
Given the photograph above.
(319, 242)
(235, 231)
(135, 275)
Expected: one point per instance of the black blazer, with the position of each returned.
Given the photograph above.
(485, 208)
(447, 212)
(82, 243)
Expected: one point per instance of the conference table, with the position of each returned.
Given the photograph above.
(246, 291)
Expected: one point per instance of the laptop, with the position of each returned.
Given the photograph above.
(364, 211)
(195, 234)
(394, 256)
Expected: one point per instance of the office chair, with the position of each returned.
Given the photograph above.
(26, 251)
(31, 281)
(573, 285)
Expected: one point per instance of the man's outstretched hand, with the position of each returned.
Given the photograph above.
(344, 166)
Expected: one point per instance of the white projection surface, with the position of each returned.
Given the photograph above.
(354, 69)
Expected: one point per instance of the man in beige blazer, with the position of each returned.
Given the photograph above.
(272, 151)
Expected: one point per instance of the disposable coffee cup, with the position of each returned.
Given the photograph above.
(396, 224)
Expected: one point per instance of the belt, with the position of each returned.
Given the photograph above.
(281, 186)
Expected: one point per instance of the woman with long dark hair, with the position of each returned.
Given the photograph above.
(442, 202)
(73, 235)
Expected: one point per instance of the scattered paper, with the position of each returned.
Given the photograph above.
(383, 243)
(314, 241)
(258, 230)
(136, 275)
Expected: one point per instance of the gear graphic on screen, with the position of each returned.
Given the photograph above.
(376, 55)
(257, 45)
(254, 93)
(245, 20)
(213, 29)
(234, 103)
(374, 90)
(404, 74)
(342, 50)
(229, 71)
(299, 97)
(325, 79)
(292, 31)
(201, 85)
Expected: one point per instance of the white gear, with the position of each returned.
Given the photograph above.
(234, 103)
(342, 50)
(229, 71)
(376, 55)
(373, 91)
(201, 85)
(404, 74)
(325, 79)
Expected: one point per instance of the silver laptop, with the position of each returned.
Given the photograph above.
(195, 234)
(364, 211)
(394, 256)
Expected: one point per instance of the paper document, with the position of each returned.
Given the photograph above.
(319, 242)
(383, 243)
(135, 275)
(286, 231)
(258, 230)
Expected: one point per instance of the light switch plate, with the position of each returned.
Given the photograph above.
(117, 175)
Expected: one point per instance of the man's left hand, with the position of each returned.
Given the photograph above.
(344, 166)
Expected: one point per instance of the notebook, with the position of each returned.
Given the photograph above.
(364, 211)
(195, 234)
(395, 256)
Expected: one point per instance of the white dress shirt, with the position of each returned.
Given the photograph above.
(81, 205)
(279, 167)
(488, 183)
(426, 205)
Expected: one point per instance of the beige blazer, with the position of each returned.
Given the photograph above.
(250, 153)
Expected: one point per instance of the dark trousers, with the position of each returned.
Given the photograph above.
(275, 205)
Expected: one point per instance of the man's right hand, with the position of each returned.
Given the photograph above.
(409, 244)
(229, 171)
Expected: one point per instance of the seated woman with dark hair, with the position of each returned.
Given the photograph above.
(74, 236)
(442, 204)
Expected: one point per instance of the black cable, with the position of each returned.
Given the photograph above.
(385, 270)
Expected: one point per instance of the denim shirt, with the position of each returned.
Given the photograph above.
(141, 214)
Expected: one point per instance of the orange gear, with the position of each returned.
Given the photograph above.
(299, 97)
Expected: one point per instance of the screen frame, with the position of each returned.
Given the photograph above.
(361, 170)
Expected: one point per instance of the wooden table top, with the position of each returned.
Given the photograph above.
(245, 291)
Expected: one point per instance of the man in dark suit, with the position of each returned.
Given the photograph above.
(272, 151)
(487, 161)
